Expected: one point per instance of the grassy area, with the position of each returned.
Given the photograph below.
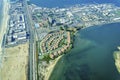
(62, 42)
(37, 50)
(46, 58)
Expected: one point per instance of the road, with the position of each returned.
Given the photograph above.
(31, 66)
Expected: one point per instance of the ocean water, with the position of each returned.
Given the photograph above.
(66, 3)
(1, 6)
(1, 16)
(92, 55)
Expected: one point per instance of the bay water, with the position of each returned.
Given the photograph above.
(92, 55)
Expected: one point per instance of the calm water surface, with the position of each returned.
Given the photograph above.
(1, 6)
(92, 55)
(65, 3)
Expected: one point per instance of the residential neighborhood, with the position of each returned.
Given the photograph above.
(55, 43)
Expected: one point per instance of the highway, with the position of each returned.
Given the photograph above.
(31, 63)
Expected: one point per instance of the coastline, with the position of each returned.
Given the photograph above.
(51, 68)
(1, 11)
(3, 28)
(45, 69)
(116, 56)
(4, 22)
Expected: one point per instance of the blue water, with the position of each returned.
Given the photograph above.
(1, 16)
(1, 6)
(65, 3)
(92, 55)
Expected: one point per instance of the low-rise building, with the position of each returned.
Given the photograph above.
(50, 43)
(21, 26)
(51, 56)
(9, 38)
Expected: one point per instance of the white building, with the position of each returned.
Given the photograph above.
(20, 35)
(21, 26)
(9, 38)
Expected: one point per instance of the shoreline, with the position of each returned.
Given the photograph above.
(4, 22)
(51, 67)
(1, 11)
(116, 56)
(46, 69)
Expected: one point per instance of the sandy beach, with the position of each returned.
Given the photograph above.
(15, 63)
(50, 68)
(3, 26)
(45, 69)
(4, 22)
(15, 59)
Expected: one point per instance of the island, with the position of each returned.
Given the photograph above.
(116, 55)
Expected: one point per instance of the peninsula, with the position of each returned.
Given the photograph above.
(51, 26)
